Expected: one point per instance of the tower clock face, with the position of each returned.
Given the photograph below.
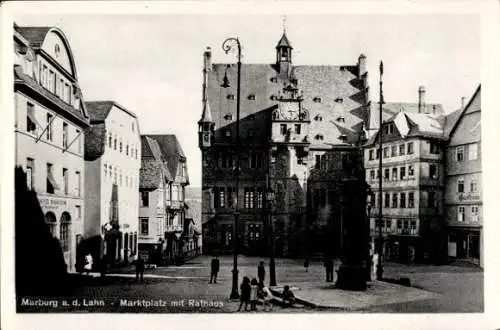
(289, 110)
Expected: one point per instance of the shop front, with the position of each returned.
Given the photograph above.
(464, 244)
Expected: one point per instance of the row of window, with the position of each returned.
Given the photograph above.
(113, 143)
(404, 148)
(474, 213)
(399, 226)
(402, 200)
(115, 174)
(34, 128)
(402, 173)
(145, 228)
(51, 183)
(472, 152)
(55, 83)
(228, 159)
(224, 197)
(176, 192)
(473, 187)
(285, 130)
(64, 228)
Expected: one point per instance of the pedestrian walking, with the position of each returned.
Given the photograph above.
(254, 288)
(244, 293)
(265, 294)
(261, 272)
(288, 296)
(306, 264)
(329, 269)
(214, 269)
(139, 269)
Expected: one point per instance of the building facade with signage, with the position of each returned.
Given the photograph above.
(49, 123)
(413, 151)
(170, 197)
(299, 125)
(463, 198)
(112, 165)
(155, 185)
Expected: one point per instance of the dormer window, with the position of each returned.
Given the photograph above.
(251, 97)
(273, 97)
(317, 99)
(389, 128)
(339, 100)
(343, 137)
(228, 116)
(319, 137)
(274, 79)
(230, 96)
(318, 118)
(341, 119)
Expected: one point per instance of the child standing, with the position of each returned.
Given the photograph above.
(245, 293)
(254, 288)
(265, 295)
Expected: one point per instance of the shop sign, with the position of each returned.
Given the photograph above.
(52, 203)
(468, 197)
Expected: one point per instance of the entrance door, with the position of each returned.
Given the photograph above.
(473, 242)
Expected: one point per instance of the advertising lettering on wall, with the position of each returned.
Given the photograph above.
(468, 197)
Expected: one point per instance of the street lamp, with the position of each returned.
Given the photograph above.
(270, 197)
(230, 44)
(369, 204)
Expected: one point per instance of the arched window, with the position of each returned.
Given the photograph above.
(51, 221)
(65, 231)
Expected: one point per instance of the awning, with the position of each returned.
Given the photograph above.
(52, 181)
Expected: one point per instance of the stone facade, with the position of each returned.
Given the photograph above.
(299, 126)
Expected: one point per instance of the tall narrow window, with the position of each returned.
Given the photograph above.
(394, 151)
(77, 141)
(371, 154)
(473, 151)
(114, 143)
(144, 198)
(126, 150)
(121, 146)
(387, 200)
(394, 200)
(67, 93)
(65, 135)
(410, 148)
(283, 129)
(460, 213)
(110, 141)
(372, 175)
(460, 154)
(297, 128)
(144, 224)
(411, 171)
(460, 186)
(386, 152)
(386, 174)
(475, 213)
(433, 171)
(402, 200)
(30, 170)
(473, 186)
(65, 178)
(401, 149)
(51, 82)
(260, 198)
(402, 173)
(31, 123)
(222, 197)
(65, 231)
(78, 184)
(49, 126)
(434, 147)
(411, 200)
(394, 173)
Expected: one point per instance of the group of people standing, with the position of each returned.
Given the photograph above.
(252, 291)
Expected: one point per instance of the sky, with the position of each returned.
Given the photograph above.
(152, 64)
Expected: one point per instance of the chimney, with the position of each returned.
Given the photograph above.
(207, 59)
(361, 65)
(421, 99)
(463, 102)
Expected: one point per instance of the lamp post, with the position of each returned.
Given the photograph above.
(270, 199)
(380, 270)
(369, 204)
(230, 44)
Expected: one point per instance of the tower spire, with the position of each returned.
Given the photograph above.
(284, 24)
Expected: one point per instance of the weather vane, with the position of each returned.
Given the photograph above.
(284, 23)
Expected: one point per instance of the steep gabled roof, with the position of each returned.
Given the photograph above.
(34, 34)
(171, 150)
(450, 121)
(284, 42)
(99, 110)
(473, 105)
(153, 167)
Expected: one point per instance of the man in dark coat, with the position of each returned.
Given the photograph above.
(214, 269)
(139, 269)
(261, 272)
(329, 269)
